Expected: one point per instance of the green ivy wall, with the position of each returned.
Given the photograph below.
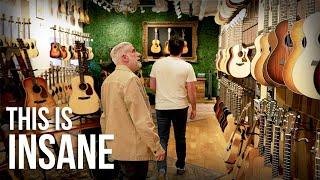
(108, 29)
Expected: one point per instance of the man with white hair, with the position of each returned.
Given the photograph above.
(126, 114)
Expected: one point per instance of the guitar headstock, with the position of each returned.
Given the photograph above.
(264, 106)
(289, 122)
(279, 116)
(272, 105)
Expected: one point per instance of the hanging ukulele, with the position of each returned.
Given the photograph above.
(83, 100)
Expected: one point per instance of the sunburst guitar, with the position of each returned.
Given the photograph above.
(304, 68)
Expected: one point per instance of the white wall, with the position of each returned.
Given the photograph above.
(40, 28)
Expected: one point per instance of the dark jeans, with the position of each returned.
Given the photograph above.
(179, 121)
(133, 170)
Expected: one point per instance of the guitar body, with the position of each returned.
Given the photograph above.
(84, 101)
(63, 51)
(185, 48)
(222, 58)
(247, 171)
(279, 55)
(38, 96)
(256, 56)
(297, 36)
(233, 150)
(265, 51)
(90, 53)
(166, 48)
(238, 66)
(316, 78)
(266, 173)
(273, 42)
(224, 62)
(305, 66)
(55, 50)
(32, 50)
(155, 48)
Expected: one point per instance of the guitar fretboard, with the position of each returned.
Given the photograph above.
(311, 7)
(275, 155)
(283, 10)
(274, 9)
(317, 157)
(287, 158)
(292, 13)
(267, 153)
(266, 16)
(261, 135)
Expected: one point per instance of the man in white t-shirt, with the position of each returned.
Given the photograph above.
(173, 80)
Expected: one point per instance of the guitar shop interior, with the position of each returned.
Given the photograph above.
(257, 85)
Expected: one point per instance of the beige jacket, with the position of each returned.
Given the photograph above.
(126, 114)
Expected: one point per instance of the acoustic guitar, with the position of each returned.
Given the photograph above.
(52, 89)
(273, 42)
(185, 46)
(32, 42)
(166, 45)
(10, 87)
(155, 48)
(238, 65)
(62, 7)
(83, 100)
(63, 48)
(297, 36)
(266, 171)
(55, 47)
(256, 56)
(305, 66)
(289, 126)
(36, 88)
(258, 61)
(279, 55)
(278, 121)
(317, 156)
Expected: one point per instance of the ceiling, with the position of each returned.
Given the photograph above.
(200, 8)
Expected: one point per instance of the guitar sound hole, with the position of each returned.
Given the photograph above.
(83, 86)
(319, 38)
(304, 42)
(36, 89)
(288, 41)
(240, 53)
(270, 49)
(1, 43)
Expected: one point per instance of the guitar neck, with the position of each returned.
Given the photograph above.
(276, 150)
(267, 153)
(311, 7)
(274, 14)
(287, 158)
(266, 16)
(261, 135)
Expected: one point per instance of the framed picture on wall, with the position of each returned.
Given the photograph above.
(40, 9)
(156, 35)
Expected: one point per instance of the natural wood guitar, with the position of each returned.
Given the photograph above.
(256, 56)
(155, 47)
(280, 54)
(36, 88)
(83, 100)
(185, 46)
(305, 66)
(273, 42)
(166, 45)
(264, 49)
(297, 36)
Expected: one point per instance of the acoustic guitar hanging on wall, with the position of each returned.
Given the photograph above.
(155, 48)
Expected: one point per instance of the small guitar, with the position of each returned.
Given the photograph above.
(166, 45)
(36, 88)
(55, 47)
(83, 100)
(32, 42)
(63, 48)
(155, 48)
(185, 47)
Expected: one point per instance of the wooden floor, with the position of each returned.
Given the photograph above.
(205, 144)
